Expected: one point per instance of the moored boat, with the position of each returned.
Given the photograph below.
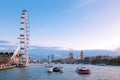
(50, 70)
(61, 69)
(56, 69)
(83, 70)
(48, 65)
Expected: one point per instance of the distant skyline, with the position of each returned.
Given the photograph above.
(75, 24)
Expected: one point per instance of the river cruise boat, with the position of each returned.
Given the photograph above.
(83, 70)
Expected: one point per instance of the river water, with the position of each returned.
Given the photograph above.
(38, 72)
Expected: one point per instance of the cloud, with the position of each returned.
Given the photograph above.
(6, 45)
(63, 48)
(117, 49)
(4, 42)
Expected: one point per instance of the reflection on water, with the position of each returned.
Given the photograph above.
(38, 72)
(21, 72)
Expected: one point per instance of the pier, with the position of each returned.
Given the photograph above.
(6, 66)
(4, 61)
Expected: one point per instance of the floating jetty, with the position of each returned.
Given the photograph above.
(4, 60)
(6, 66)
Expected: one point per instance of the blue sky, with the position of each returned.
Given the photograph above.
(76, 24)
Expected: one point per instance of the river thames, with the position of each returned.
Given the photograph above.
(38, 72)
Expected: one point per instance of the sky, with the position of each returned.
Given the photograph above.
(75, 24)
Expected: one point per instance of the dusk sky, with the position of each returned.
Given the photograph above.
(76, 24)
